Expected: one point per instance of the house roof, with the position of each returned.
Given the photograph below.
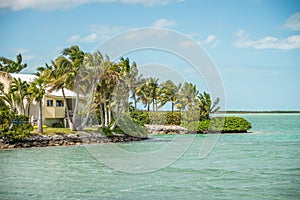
(30, 78)
(24, 77)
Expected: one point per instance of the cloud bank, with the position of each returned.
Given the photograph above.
(16, 5)
(164, 23)
(293, 22)
(268, 42)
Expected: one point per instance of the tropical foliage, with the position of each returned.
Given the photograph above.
(225, 125)
(13, 127)
(11, 66)
(109, 89)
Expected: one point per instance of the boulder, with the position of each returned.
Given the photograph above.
(166, 129)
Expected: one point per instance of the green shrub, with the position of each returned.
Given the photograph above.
(191, 126)
(140, 117)
(162, 118)
(14, 128)
(236, 124)
(129, 127)
(106, 131)
(227, 125)
(58, 125)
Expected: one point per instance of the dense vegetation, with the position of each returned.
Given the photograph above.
(162, 118)
(113, 91)
(225, 125)
(13, 127)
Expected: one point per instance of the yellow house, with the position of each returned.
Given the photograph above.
(54, 108)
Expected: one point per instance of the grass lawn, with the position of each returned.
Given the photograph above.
(54, 131)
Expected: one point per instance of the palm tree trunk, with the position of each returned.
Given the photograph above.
(109, 111)
(75, 107)
(83, 124)
(101, 110)
(28, 110)
(105, 111)
(172, 106)
(134, 99)
(71, 124)
(23, 107)
(119, 111)
(40, 120)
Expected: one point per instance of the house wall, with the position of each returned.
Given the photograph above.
(56, 109)
(5, 82)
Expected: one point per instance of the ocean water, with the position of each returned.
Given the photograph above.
(262, 164)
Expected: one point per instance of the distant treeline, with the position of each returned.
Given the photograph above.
(248, 112)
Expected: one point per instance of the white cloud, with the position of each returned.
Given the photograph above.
(103, 32)
(293, 22)
(73, 38)
(90, 38)
(65, 4)
(164, 23)
(211, 40)
(97, 33)
(268, 42)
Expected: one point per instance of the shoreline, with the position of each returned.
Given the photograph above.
(68, 140)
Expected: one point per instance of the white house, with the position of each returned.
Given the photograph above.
(54, 109)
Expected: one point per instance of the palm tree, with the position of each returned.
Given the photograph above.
(206, 106)
(37, 91)
(62, 74)
(88, 81)
(148, 93)
(10, 66)
(187, 96)
(169, 93)
(9, 98)
(154, 92)
(129, 77)
(108, 80)
(19, 88)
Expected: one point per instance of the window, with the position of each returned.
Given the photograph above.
(49, 103)
(59, 103)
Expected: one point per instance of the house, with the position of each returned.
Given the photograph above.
(54, 108)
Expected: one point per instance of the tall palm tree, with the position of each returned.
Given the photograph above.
(187, 96)
(129, 77)
(9, 98)
(108, 81)
(11, 66)
(169, 93)
(62, 75)
(37, 91)
(19, 88)
(87, 82)
(206, 106)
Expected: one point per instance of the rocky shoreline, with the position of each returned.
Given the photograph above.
(166, 129)
(67, 139)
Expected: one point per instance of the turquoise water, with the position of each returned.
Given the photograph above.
(263, 164)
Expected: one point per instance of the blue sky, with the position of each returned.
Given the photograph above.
(255, 44)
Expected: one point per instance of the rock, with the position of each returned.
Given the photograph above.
(67, 139)
(165, 129)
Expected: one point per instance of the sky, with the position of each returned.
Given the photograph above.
(254, 44)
